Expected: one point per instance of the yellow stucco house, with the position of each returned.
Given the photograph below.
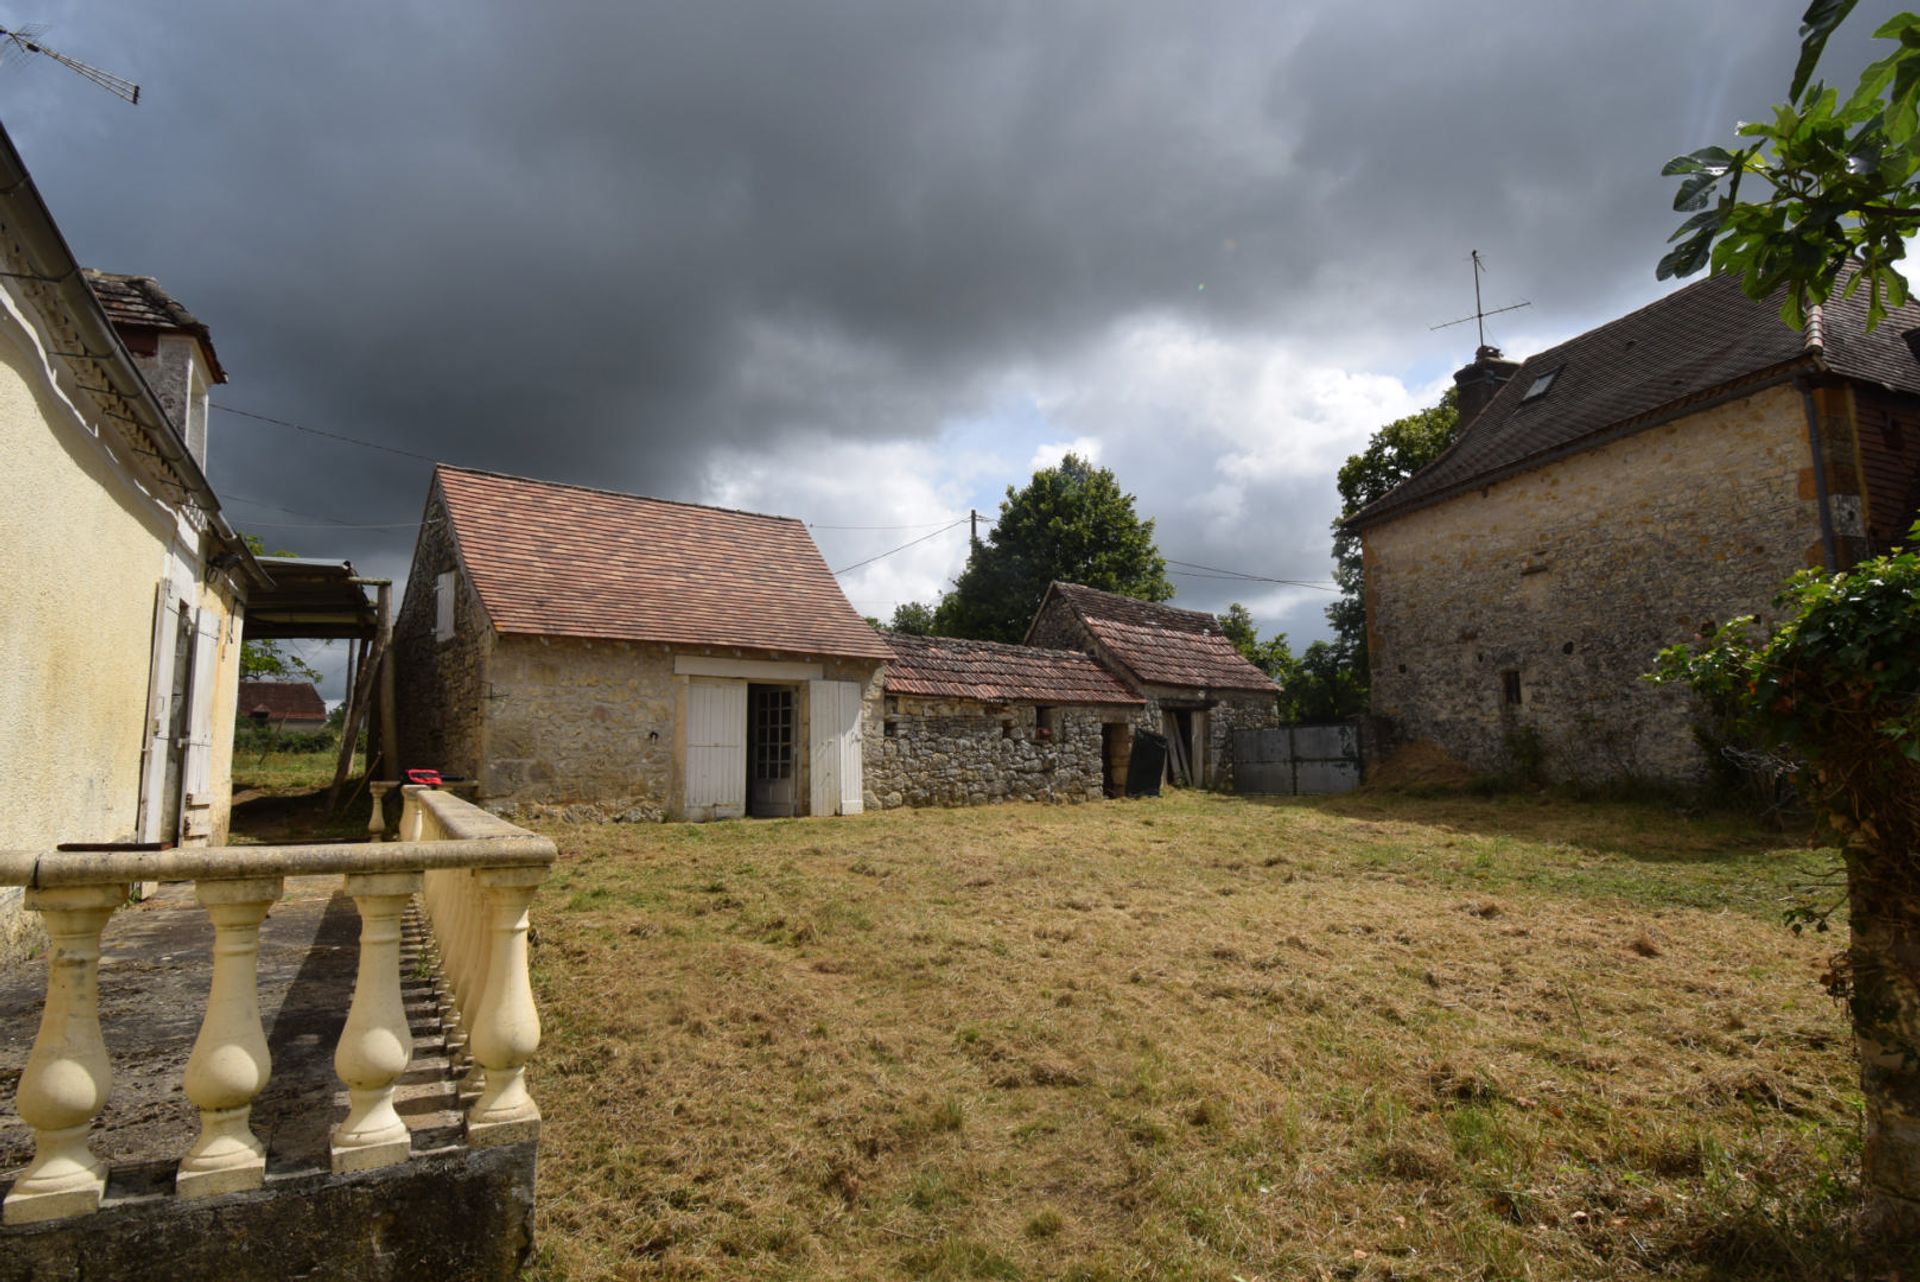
(124, 585)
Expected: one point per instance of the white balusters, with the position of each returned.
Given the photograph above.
(477, 899)
(229, 1063)
(377, 821)
(376, 1044)
(65, 1082)
(505, 1030)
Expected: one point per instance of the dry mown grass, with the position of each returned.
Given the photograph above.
(1189, 1038)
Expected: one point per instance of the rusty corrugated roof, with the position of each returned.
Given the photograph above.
(564, 560)
(993, 672)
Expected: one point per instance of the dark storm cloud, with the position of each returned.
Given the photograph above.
(602, 242)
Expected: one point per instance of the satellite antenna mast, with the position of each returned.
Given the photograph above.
(1480, 314)
(16, 40)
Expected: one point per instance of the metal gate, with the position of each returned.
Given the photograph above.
(1296, 760)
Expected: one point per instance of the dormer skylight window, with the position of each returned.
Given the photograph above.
(1542, 385)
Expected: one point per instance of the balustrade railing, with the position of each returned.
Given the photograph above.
(473, 877)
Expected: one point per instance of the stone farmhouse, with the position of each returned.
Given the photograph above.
(1195, 688)
(629, 657)
(971, 722)
(1617, 493)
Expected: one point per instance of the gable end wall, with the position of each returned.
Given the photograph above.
(1575, 575)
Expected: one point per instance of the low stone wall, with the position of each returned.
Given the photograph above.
(459, 1213)
(959, 752)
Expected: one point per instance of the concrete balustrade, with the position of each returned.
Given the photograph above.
(473, 876)
(67, 1076)
(229, 1063)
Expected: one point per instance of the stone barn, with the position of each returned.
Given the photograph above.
(1616, 494)
(1195, 688)
(972, 722)
(605, 655)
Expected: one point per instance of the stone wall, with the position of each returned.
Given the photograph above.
(441, 688)
(1228, 711)
(1572, 576)
(1059, 628)
(580, 724)
(960, 752)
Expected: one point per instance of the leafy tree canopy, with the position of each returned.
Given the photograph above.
(1393, 454)
(1072, 522)
(913, 617)
(1835, 182)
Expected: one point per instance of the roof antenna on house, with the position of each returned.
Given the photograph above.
(18, 40)
(1480, 314)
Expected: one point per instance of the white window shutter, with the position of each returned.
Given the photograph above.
(443, 597)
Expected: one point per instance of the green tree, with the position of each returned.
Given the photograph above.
(1837, 686)
(1393, 454)
(1072, 522)
(1272, 656)
(913, 617)
(271, 660)
(1837, 682)
(1837, 182)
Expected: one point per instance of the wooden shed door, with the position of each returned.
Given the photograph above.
(837, 765)
(716, 748)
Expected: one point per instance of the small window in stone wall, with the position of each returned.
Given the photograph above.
(443, 594)
(1510, 683)
(1006, 729)
(1042, 722)
(890, 728)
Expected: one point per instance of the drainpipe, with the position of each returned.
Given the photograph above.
(1828, 547)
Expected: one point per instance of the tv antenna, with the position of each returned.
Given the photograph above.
(1480, 314)
(18, 40)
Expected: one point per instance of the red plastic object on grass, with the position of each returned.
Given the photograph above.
(428, 778)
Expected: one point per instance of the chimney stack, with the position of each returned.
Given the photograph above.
(1479, 381)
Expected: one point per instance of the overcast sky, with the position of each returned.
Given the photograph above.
(869, 263)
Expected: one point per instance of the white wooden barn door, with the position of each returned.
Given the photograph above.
(716, 748)
(838, 764)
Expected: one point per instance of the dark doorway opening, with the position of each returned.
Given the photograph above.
(1116, 747)
(770, 752)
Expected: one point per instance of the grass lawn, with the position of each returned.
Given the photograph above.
(1198, 1037)
(281, 796)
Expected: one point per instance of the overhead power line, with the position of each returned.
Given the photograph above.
(331, 436)
(903, 547)
(924, 525)
(1192, 571)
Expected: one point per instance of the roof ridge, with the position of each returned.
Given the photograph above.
(1138, 601)
(618, 494)
(930, 639)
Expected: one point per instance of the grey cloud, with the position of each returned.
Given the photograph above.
(598, 242)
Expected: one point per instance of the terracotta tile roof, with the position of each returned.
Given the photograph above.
(995, 673)
(282, 700)
(565, 560)
(1162, 644)
(1705, 339)
(138, 302)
